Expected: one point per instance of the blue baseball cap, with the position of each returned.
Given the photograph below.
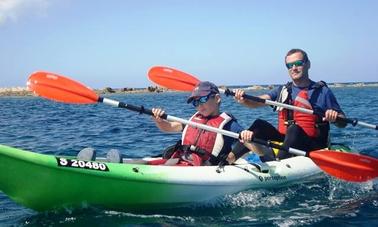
(203, 88)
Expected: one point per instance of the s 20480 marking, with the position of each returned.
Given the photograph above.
(73, 163)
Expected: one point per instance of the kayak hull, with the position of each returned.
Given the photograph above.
(46, 182)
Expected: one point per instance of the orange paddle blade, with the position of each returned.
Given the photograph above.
(346, 166)
(172, 78)
(59, 88)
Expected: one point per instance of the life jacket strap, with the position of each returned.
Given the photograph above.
(193, 149)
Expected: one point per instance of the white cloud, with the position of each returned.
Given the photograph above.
(13, 9)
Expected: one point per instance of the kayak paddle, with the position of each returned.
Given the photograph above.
(178, 80)
(346, 166)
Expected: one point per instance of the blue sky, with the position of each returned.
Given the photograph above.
(114, 43)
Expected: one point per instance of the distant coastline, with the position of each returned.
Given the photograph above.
(22, 91)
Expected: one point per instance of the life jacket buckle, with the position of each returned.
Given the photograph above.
(289, 122)
(193, 149)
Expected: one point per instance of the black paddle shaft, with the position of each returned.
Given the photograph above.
(352, 121)
(139, 109)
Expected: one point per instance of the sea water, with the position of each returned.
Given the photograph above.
(62, 129)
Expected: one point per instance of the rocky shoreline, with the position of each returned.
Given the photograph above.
(22, 91)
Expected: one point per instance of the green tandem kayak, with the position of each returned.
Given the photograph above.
(47, 182)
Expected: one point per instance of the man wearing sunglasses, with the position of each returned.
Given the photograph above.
(295, 129)
(197, 146)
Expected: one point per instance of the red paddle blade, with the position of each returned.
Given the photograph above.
(59, 88)
(172, 78)
(346, 166)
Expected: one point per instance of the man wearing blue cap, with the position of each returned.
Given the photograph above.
(197, 146)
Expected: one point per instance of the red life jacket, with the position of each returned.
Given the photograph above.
(308, 122)
(211, 142)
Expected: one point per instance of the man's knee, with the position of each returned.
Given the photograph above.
(294, 130)
(296, 137)
(257, 124)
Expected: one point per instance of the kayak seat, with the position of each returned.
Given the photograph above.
(261, 166)
(169, 151)
(114, 156)
(87, 154)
